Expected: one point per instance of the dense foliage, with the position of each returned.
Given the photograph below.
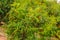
(31, 19)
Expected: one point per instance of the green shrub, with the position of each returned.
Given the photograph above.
(33, 20)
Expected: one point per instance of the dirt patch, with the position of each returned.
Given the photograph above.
(3, 35)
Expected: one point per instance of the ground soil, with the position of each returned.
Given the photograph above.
(3, 35)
